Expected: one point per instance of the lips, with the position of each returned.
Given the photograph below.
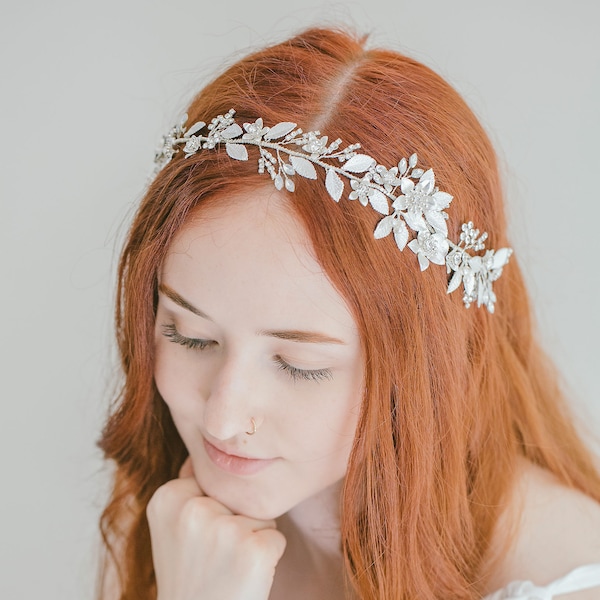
(236, 465)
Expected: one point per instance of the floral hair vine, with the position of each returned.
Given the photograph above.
(416, 202)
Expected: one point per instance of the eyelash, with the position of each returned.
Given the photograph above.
(171, 333)
(296, 374)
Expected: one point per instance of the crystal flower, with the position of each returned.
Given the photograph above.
(192, 146)
(423, 203)
(387, 178)
(362, 189)
(315, 145)
(454, 259)
(477, 273)
(254, 131)
(212, 140)
(429, 247)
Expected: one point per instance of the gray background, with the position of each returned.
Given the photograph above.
(86, 89)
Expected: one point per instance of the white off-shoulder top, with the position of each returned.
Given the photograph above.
(582, 578)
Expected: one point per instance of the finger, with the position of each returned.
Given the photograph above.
(173, 495)
(274, 540)
(256, 524)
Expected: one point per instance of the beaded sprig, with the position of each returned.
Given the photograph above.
(416, 203)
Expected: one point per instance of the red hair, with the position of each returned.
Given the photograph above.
(454, 396)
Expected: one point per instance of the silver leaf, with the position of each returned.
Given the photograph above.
(289, 185)
(237, 151)
(469, 281)
(195, 128)
(232, 131)
(278, 181)
(442, 199)
(454, 282)
(359, 163)
(334, 184)
(428, 176)
(414, 246)
(303, 167)
(379, 202)
(406, 185)
(501, 257)
(436, 219)
(400, 203)
(482, 296)
(412, 161)
(402, 167)
(400, 234)
(288, 169)
(384, 227)
(279, 130)
(416, 173)
(423, 261)
(415, 221)
(475, 264)
(426, 186)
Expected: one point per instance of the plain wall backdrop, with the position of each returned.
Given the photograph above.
(87, 89)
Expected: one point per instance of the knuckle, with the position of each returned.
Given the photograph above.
(195, 512)
(229, 529)
(270, 543)
(162, 499)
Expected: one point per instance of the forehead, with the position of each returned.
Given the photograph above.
(250, 255)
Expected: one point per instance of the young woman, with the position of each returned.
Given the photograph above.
(332, 388)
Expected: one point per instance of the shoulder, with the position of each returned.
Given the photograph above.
(557, 531)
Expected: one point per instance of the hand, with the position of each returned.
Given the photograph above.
(202, 551)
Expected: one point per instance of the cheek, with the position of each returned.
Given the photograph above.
(174, 380)
(323, 426)
(179, 392)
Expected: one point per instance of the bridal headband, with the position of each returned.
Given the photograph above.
(406, 195)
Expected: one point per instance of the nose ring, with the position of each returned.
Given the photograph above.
(253, 427)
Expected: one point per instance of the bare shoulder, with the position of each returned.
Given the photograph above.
(558, 531)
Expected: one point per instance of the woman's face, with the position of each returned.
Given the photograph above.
(249, 328)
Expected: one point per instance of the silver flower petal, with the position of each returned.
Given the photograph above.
(400, 234)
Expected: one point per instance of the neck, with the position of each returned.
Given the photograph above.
(317, 520)
(312, 564)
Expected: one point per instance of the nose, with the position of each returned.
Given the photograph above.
(231, 399)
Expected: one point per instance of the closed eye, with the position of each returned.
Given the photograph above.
(305, 374)
(170, 332)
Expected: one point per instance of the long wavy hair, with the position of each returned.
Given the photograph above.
(454, 396)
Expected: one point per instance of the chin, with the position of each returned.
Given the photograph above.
(249, 501)
(261, 513)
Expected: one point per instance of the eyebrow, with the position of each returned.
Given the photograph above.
(294, 335)
(181, 301)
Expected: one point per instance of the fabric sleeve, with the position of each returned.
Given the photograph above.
(581, 578)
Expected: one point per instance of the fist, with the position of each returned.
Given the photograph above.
(201, 550)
